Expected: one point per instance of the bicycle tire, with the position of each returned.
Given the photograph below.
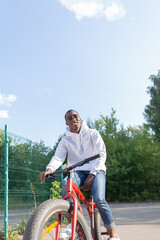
(35, 226)
(99, 230)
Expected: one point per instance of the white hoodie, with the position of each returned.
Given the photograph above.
(79, 146)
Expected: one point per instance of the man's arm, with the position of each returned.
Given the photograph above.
(59, 156)
(56, 161)
(99, 148)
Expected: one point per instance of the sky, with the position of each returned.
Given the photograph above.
(87, 55)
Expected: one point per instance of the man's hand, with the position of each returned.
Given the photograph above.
(88, 182)
(43, 175)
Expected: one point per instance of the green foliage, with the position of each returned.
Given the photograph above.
(133, 161)
(34, 195)
(15, 232)
(105, 125)
(152, 110)
(12, 234)
(1, 137)
(55, 190)
(26, 161)
(21, 227)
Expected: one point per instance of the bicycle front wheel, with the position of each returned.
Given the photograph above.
(52, 215)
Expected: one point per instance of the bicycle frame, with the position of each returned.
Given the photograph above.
(72, 192)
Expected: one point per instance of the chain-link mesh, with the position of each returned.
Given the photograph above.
(26, 160)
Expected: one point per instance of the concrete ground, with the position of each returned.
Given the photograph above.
(137, 221)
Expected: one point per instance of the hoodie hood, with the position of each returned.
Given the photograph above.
(84, 128)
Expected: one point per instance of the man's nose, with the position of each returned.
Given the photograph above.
(73, 118)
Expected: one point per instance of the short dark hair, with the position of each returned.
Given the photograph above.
(70, 111)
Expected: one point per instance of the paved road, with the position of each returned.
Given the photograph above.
(137, 221)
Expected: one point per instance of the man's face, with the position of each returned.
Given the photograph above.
(73, 120)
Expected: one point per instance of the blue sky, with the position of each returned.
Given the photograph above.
(86, 55)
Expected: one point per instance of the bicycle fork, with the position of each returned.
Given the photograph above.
(75, 210)
(74, 221)
(91, 206)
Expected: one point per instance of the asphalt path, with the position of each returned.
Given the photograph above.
(137, 221)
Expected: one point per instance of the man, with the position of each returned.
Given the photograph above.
(80, 143)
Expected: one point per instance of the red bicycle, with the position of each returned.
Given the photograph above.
(60, 219)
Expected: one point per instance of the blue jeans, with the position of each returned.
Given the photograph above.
(98, 191)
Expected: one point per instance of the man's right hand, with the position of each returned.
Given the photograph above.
(43, 175)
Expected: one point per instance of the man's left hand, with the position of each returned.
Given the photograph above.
(88, 182)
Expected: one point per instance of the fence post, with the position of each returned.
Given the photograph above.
(6, 186)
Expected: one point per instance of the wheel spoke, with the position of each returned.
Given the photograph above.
(49, 229)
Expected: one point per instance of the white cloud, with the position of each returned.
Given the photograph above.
(83, 9)
(4, 114)
(114, 11)
(111, 9)
(7, 99)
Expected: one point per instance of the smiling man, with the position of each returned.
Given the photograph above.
(80, 143)
(73, 120)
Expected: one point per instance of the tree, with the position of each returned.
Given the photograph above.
(132, 163)
(152, 110)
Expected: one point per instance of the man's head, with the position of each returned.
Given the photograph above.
(73, 121)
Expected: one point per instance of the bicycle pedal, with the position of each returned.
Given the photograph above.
(104, 233)
(66, 232)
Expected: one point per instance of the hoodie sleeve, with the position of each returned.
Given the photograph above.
(99, 148)
(59, 156)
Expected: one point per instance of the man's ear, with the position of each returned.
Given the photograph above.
(67, 123)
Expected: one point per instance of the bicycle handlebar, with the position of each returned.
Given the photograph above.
(81, 163)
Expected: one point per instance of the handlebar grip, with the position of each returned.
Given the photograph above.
(50, 176)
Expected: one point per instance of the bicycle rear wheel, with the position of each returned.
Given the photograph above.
(42, 224)
(100, 231)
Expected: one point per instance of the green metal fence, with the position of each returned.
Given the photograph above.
(26, 160)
